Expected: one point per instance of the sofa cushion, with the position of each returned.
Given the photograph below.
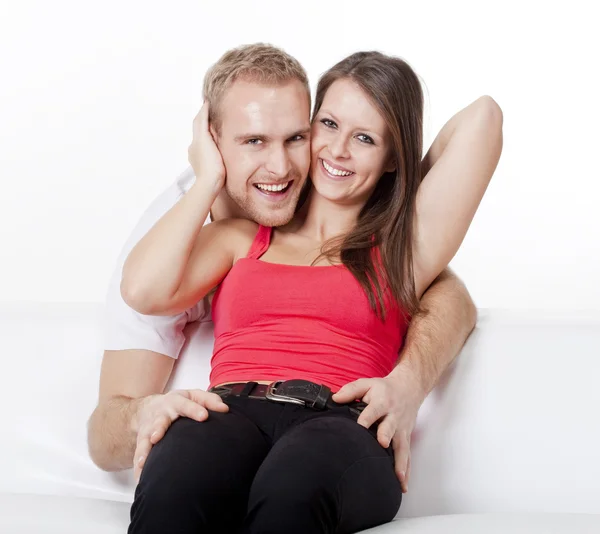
(36, 514)
(511, 427)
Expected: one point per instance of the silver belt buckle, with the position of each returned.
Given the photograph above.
(272, 394)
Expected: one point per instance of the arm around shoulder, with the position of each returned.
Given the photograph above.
(215, 250)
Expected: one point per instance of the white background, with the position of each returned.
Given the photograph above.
(97, 100)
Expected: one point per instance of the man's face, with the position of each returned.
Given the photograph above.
(265, 144)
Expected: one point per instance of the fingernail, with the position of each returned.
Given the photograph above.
(154, 434)
(140, 460)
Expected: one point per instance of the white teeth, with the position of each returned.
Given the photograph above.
(272, 187)
(335, 172)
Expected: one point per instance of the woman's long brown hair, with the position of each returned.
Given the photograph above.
(386, 220)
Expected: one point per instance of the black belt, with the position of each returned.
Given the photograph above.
(301, 392)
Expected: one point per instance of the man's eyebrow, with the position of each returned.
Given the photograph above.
(263, 137)
(303, 131)
(245, 137)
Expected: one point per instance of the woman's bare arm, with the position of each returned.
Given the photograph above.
(177, 264)
(461, 163)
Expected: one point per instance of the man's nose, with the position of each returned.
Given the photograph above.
(279, 163)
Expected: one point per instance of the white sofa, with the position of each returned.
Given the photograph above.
(508, 442)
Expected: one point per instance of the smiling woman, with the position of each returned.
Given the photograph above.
(348, 131)
(366, 155)
(367, 142)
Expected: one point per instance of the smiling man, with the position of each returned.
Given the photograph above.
(259, 101)
(263, 135)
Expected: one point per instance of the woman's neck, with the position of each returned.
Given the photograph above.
(321, 220)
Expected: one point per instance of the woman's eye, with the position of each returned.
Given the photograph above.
(329, 123)
(365, 139)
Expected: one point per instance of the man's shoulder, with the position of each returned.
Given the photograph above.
(171, 195)
(124, 327)
(160, 205)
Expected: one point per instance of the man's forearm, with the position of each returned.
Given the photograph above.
(438, 332)
(112, 433)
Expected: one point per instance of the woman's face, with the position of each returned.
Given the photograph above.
(350, 145)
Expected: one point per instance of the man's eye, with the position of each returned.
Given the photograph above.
(329, 123)
(297, 138)
(254, 141)
(365, 139)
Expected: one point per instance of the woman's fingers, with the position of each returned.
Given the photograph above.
(200, 124)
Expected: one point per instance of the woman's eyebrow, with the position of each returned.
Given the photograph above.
(366, 130)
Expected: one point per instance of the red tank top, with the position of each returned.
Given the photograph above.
(278, 322)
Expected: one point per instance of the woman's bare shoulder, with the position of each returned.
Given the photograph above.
(238, 227)
(237, 234)
(241, 228)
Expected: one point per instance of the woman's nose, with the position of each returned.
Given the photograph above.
(338, 147)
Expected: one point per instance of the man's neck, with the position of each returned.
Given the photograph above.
(225, 208)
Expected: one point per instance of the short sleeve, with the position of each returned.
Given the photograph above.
(124, 328)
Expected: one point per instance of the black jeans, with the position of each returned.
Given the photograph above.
(266, 467)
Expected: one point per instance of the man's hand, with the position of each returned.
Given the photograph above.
(394, 402)
(156, 413)
(203, 153)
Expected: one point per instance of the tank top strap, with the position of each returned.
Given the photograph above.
(261, 242)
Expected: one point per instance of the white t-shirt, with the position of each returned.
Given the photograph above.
(124, 327)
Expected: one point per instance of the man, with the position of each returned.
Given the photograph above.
(260, 103)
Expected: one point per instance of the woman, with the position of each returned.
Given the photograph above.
(329, 296)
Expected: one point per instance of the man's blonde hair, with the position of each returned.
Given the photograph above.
(260, 63)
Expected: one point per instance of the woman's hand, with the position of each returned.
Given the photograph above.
(204, 155)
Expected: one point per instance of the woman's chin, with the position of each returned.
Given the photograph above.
(331, 194)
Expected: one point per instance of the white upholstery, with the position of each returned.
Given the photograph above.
(512, 429)
(42, 514)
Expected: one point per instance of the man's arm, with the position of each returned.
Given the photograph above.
(435, 337)
(126, 378)
(437, 333)
(138, 360)
(133, 414)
